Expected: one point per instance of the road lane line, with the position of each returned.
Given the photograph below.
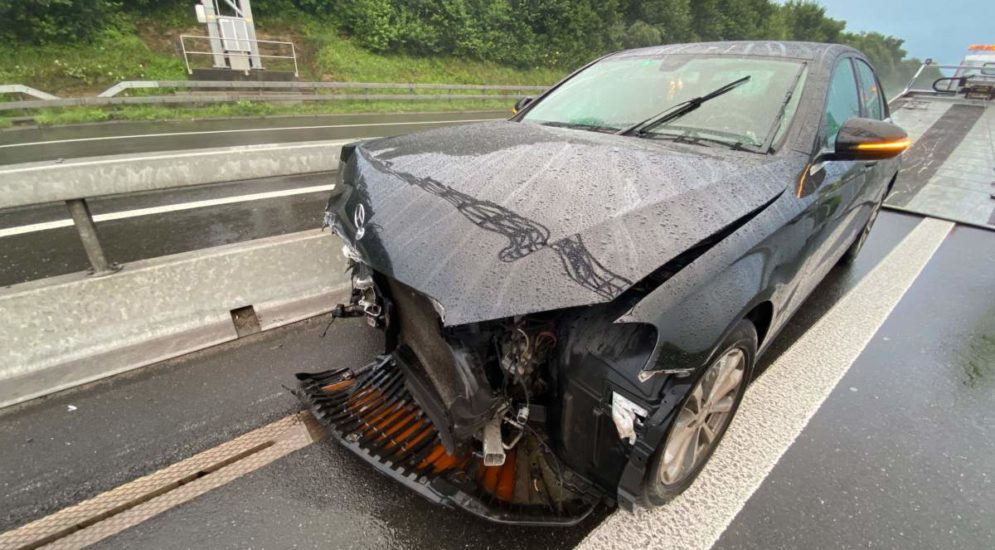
(247, 130)
(55, 224)
(776, 408)
(132, 503)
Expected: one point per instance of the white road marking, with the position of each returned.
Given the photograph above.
(166, 208)
(246, 130)
(776, 408)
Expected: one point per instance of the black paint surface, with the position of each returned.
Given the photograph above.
(507, 218)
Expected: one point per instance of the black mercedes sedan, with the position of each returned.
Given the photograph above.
(574, 299)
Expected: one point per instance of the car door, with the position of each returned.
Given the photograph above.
(832, 190)
(878, 174)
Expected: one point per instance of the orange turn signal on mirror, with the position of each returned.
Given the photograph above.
(896, 145)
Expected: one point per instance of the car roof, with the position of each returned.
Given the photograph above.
(811, 51)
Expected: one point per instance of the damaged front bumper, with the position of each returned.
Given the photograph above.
(372, 413)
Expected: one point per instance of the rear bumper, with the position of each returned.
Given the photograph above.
(372, 413)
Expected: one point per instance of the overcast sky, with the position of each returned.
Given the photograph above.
(941, 29)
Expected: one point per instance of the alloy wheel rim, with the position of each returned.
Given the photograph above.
(703, 417)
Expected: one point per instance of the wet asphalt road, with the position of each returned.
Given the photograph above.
(33, 144)
(130, 425)
(900, 461)
(902, 454)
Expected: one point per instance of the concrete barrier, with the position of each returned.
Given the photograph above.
(51, 181)
(60, 332)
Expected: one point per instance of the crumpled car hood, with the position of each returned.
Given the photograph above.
(500, 219)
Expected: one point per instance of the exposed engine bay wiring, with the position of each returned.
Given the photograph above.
(523, 348)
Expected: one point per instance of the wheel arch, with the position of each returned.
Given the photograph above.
(762, 315)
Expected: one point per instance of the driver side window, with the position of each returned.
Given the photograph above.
(843, 102)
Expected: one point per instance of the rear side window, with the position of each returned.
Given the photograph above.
(843, 103)
(870, 91)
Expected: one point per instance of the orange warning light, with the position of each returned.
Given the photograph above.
(896, 145)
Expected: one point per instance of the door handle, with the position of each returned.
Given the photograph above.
(870, 164)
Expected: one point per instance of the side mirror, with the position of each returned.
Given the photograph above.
(521, 104)
(868, 139)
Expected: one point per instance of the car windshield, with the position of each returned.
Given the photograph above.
(618, 92)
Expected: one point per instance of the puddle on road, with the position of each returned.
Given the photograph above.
(977, 357)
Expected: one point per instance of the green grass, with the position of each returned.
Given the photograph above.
(121, 53)
(76, 115)
(86, 68)
(339, 58)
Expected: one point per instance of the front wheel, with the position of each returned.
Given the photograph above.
(703, 417)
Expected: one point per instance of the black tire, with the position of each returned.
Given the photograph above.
(851, 253)
(743, 337)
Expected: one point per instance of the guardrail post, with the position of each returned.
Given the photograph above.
(83, 221)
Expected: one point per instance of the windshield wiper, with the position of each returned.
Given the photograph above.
(776, 125)
(681, 109)
(695, 138)
(579, 126)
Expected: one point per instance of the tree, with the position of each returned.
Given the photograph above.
(45, 21)
(641, 34)
(807, 21)
(708, 21)
(672, 18)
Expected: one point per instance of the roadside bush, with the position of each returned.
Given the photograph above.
(54, 21)
(523, 34)
(372, 22)
(641, 34)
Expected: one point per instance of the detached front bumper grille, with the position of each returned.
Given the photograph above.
(373, 415)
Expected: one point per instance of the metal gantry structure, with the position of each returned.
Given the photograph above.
(232, 33)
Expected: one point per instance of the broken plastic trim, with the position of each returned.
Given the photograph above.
(371, 412)
(627, 416)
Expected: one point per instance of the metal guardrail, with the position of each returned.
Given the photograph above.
(314, 86)
(25, 90)
(195, 99)
(227, 91)
(71, 329)
(77, 181)
(247, 55)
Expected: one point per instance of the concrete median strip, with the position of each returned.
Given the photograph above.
(500, 115)
(69, 330)
(53, 181)
(777, 407)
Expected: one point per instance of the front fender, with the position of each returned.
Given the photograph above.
(694, 309)
(693, 312)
